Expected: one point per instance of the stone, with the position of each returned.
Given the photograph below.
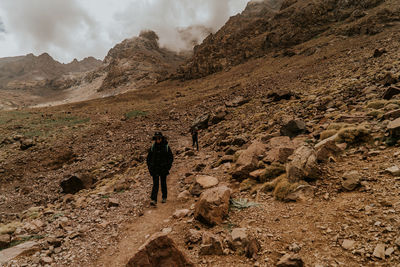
(279, 149)
(178, 214)
(289, 260)
(303, 165)
(394, 170)
(390, 92)
(21, 249)
(184, 195)
(379, 251)
(257, 174)
(46, 260)
(239, 234)
(379, 52)
(301, 193)
(4, 241)
(201, 122)
(72, 184)
(394, 128)
(327, 150)
(211, 245)
(194, 236)
(278, 95)
(26, 143)
(236, 102)
(252, 249)
(392, 115)
(293, 128)
(248, 161)
(113, 202)
(348, 244)
(203, 182)
(219, 115)
(389, 251)
(389, 79)
(397, 242)
(351, 180)
(213, 205)
(159, 250)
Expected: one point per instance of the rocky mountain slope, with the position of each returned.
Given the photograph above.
(276, 26)
(139, 61)
(31, 72)
(298, 166)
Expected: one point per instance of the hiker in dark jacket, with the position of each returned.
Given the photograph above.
(195, 137)
(159, 162)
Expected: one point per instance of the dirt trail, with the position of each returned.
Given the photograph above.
(153, 220)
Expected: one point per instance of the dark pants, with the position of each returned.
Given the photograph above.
(195, 140)
(156, 183)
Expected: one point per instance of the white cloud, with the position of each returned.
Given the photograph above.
(79, 28)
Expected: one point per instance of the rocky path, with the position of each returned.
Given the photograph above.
(154, 219)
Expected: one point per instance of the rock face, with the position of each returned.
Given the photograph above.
(265, 26)
(139, 61)
(213, 205)
(304, 165)
(247, 161)
(159, 250)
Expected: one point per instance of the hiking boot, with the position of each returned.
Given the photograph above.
(164, 200)
(153, 203)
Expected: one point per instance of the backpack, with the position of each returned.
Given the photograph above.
(152, 147)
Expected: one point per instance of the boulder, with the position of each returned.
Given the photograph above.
(21, 249)
(348, 244)
(248, 160)
(203, 182)
(303, 166)
(293, 128)
(211, 245)
(201, 122)
(300, 193)
(159, 250)
(394, 128)
(394, 170)
(181, 213)
(390, 92)
(289, 260)
(351, 180)
(379, 251)
(26, 143)
(72, 184)
(4, 241)
(279, 149)
(219, 115)
(278, 95)
(392, 115)
(326, 150)
(184, 195)
(236, 102)
(213, 205)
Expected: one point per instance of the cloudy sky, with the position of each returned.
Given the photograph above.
(69, 29)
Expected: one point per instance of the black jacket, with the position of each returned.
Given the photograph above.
(159, 159)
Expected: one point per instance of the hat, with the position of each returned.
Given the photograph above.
(157, 134)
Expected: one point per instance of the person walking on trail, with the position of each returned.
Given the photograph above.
(159, 162)
(195, 137)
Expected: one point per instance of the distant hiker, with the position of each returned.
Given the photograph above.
(195, 137)
(159, 162)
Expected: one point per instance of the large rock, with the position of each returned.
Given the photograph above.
(213, 205)
(304, 165)
(293, 128)
(203, 182)
(326, 150)
(279, 149)
(201, 122)
(211, 245)
(394, 128)
(21, 249)
(159, 250)
(351, 180)
(72, 184)
(391, 92)
(248, 160)
(290, 261)
(4, 241)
